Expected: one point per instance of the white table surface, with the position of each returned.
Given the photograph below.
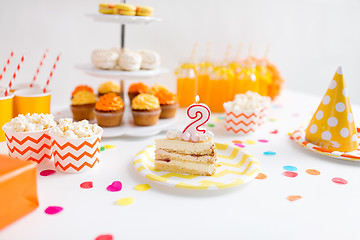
(256, 210)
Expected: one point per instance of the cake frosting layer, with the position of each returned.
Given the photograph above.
(167, 154)
(184, 147)
(205, 169)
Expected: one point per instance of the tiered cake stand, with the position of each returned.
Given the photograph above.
(127, 127)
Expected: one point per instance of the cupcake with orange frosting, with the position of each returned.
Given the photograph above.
(145, 109)
(109, 87)
(137, 88)
(83, 103)
(109, 110)
(80, 88)
(168, 101)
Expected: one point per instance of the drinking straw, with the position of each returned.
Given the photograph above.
(193, 52)
(51, 73)
(237, 57)
(39, 67)
(208, 50)
(14, 76)
(227, 54)
(6, 64)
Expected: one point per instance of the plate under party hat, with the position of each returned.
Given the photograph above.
(332, 127)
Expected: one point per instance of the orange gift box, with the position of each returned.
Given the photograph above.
(18, 194)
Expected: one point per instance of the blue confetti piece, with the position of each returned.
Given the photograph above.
(290, 168)
(269, 153)
(221, 118)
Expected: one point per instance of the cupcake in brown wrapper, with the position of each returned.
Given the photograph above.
(168, 101)
(83, 112)
(109, 110)
(145, 109)
(137, 88)
(168, 110)
(146, 117)
(83, 103)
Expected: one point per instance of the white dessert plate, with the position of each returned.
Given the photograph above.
(298, 135)
(93, 71)
(127, 127)
(122, 19)
(235, 167)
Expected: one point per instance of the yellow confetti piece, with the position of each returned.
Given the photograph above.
(142, 187)
(249, 142)
(272, 119)
(125, 201)
(109, 146)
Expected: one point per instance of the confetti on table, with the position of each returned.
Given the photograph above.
(274, 132)
(339, 180)
(312, 171)
(239, 145)
(237, 141)
(142, 187)
(290, 168)
(115, 186)
(293, 197)
(109, 146)
(269, 153)
(47, 172)
(125, 201)
(249, 141)
(272, 119)
(86, 185)
(104, 237)
(263, 140)
(261, 176)
(290, 174)
(102, 149)
(53, 210)
(211, 125)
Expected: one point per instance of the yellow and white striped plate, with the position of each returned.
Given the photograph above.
(235, 167)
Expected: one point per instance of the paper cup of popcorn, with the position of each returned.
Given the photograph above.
(246, 113)
(73, 153)
(23, 139)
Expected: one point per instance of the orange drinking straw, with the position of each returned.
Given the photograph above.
(6, 64)
(51, 74)
(39, 67)
(14, 76)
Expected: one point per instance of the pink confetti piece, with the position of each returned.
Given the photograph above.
(295, 115)
(274, 132)
(47, 172)
(290, 174)
(104, 237)
(263, 140)
(239, 145)
(115, 186)
(53, 210)
(86, 185)
(339, 180)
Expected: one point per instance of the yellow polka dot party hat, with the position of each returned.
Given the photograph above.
(332, 127)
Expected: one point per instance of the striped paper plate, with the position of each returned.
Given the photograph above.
(235, 167)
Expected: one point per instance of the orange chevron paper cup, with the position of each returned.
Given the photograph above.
(76, 155)
(6, 106)
(31, 146)
(244, 122)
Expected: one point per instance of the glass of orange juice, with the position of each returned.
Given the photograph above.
(186, 84)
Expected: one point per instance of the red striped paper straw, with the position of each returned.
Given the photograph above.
(14, 76)
(39, 67)
(6, 64)
(51, 73)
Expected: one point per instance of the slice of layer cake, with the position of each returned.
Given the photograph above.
(174, 154)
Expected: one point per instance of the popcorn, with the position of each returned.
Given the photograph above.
(248, 101)
(30, 123)
(69, 129)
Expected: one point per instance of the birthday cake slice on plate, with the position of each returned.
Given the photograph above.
(190, 151)
(175, 154)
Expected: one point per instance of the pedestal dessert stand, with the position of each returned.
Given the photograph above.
(126, 76)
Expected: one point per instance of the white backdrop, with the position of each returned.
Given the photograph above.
(309, 39)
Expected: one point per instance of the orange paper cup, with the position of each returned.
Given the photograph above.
(31, 100)
(32, 146)
(6, 107)
(76, 155)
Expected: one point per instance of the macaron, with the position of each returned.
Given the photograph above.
(125, 9)
(107, 8)
(144, 11)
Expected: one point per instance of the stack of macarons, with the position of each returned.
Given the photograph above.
(125, 59)
(125, 9)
